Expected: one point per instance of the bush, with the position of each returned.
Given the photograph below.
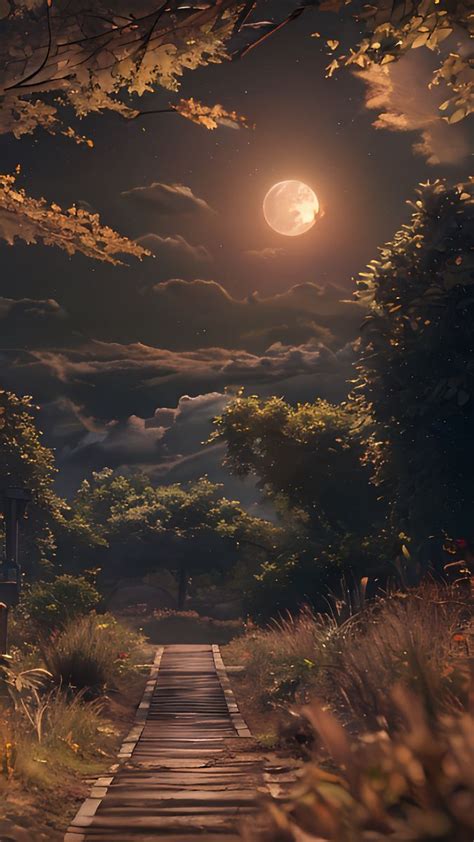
(404, 637)
(51, 605)
(92, 653)
(281, 660)
(411, 784)
(407, 638)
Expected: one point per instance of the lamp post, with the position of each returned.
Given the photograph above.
(14, 501)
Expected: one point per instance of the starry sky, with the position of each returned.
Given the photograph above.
(129, 364)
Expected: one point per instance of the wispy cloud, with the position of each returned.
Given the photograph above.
(168, 198)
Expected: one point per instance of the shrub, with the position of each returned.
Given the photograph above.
(403, 637)
(283, 660)
(406, 637)
(91, 653)
(51, 605)
(413, 784)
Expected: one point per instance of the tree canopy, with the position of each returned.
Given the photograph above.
(27, 463)
(60, 61)
(417, 365)
(309, 454)
(140, 527)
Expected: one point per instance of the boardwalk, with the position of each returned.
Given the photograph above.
(189, 766)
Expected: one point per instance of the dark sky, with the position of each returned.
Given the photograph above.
(103, 349)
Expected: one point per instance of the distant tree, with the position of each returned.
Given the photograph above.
(138, 527)
(416, 367)
(26, 462)
(309, 460)
(310, 455)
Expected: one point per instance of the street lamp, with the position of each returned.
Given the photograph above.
(14, 502)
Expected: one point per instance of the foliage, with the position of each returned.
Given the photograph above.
(25, 462)
(310, 454)
(413, 783)
(408, 637)
(209, 116)
(95, 58)
(394, 28)
(416, 367)
(51, 605)
(26, 688)
(74, 230)
(309, 460)
(92, 653)
(188, 529)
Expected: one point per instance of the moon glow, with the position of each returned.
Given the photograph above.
(291, 208)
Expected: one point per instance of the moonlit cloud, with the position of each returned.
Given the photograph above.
(168, 198)
(267, 253)
(173, 246)
(399, 93)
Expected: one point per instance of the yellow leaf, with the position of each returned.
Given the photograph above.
(457, 116)
(420, 40)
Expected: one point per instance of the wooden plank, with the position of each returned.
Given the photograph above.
(186, 772)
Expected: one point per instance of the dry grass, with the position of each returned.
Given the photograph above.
(406, 637)
(413, 784)
(42, 769)
(396, 761)
(92, 653)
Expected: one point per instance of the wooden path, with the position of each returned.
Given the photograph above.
(189, 769)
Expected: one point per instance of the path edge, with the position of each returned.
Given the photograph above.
(236, 717)
(98, 791)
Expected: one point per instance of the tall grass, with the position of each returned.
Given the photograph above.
(406, 637)
(92, 653)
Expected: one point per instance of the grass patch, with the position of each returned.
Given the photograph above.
(168, 626)
(69, 728)
(404, 638)
(92, 653)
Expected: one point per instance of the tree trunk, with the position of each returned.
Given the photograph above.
(182, 587)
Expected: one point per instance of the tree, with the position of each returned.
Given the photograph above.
(416, 370)
(73, 230)
(309, 460)
(310, 455)
(93, 59)
(26, 462)
(189, 529)
(61, 60)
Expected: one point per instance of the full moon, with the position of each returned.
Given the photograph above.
(291, 208)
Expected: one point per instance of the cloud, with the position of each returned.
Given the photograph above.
(31, 321)
(174, 246)
(201, 313)
(187, 315)
(399, 92)
(168, 446)
(114, 381)
(267, 253)
(168, 198)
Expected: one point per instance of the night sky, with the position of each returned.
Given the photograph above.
(129, 364)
